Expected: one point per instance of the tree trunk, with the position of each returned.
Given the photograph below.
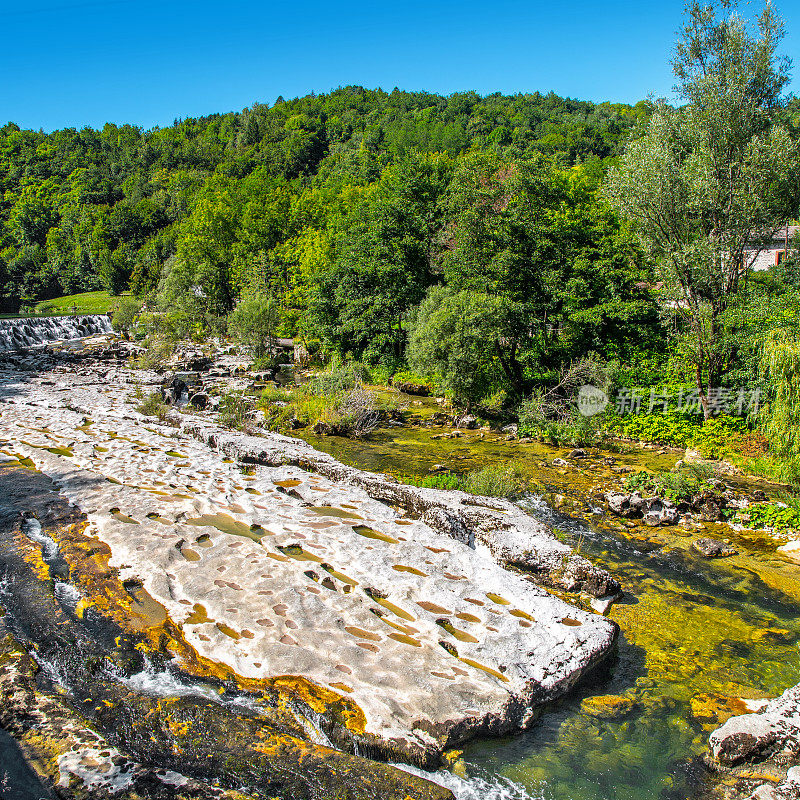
(512, 369)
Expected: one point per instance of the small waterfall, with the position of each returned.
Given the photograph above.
(16, 334)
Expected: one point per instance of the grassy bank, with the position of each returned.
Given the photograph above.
(99, 302)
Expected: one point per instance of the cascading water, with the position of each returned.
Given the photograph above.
(16, 334)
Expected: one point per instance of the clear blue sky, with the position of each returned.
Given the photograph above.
(85, 62)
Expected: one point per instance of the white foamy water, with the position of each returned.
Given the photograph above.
(32, 528)
(164, 684)
(67, 594)
(476, 787)
(18, 333)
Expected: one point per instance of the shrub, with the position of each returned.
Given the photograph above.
(253, 324)
(153, 405)
(677, 485)
(234, 411)
(770, 515)
(713, 439)
(157, 354)
(496, 480)
(125, 313)
(273, 394)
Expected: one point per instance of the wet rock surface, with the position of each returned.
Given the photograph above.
(713, 548)
(759, 745)
(379, 608)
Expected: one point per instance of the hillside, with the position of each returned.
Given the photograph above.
(88, 209)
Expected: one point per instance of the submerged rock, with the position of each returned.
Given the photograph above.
(608, 706)
(713, 548)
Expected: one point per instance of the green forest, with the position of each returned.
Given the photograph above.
(497, 248)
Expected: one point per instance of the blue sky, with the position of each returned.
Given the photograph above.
(85, 62)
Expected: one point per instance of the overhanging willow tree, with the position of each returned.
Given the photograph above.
(712, 179)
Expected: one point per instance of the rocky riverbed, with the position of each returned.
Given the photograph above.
(193, 612)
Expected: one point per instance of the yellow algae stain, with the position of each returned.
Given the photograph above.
(405, 639)
(333, 511)
(228, 631)
(462, 636)
(398, 626)
(339, 575)
(489, 670)
(227, 524)
(371, 533)
(412, 570)
(322, 700)
(360, 633)
(496, 598)
(432, 607)
(199, 616)
(298, 553)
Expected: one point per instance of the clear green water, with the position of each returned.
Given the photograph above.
(691, 627)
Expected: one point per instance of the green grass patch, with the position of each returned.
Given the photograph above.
(496, 480)
(678, 485)
(84, 303)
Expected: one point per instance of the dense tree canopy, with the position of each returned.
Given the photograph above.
(89, 208)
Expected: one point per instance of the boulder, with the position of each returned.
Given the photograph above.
(659, 512)
(200, 400)
(578, 452)
(197, 362)
(713, 548)
(750, 738)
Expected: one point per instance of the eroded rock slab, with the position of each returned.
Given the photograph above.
(386, 596)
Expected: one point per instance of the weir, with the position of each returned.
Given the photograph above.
(16, 334)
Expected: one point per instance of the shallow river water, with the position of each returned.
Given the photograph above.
(695, 635)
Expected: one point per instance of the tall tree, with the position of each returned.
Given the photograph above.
(710, 179)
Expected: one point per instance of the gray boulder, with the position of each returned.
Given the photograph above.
(713, 548)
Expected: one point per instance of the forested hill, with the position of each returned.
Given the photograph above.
(83, 209)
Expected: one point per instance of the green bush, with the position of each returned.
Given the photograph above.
(407, 376)
(154, 406)
(253, 323)
(712, 439)
(158, 352)
(770, 515)
(233, 411)
(574, 431)
(125, 313)
(496, 480)
(677, 485)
